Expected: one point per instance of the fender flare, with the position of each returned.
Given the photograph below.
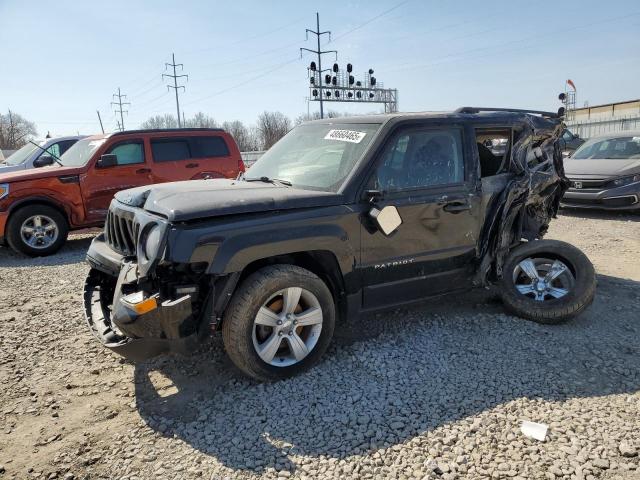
(40, 200)
(236, 252)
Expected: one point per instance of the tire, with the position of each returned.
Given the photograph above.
(49, 218)
(538, 305)
(264, 291)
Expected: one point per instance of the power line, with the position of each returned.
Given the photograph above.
(319, 52)
(175, 85)
(358, 27)
(265, 73)
(246, 39)
(120, 103)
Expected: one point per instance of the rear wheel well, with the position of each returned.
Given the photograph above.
(323, 263)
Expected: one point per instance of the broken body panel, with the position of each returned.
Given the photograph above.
(214, 233)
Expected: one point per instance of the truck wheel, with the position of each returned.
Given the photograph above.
(548, 281)
(37, 230)
(279, 322)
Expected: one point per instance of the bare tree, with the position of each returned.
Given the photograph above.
(254, 141)
(15, 131)
(241, 134)
(160, 121)
(200, 120)
(272, 126)
(316, 116)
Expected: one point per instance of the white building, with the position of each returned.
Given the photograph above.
(607, 118)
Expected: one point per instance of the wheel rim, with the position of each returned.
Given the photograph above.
(543, 279)
(287, 327)
(39, 231)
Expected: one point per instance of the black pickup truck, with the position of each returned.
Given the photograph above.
(341, 217)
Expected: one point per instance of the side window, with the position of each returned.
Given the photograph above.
(422, 159)
(65, 145)
(214, 146)
(170, 150)
(494, 150)
(128, 153)
(53, 150)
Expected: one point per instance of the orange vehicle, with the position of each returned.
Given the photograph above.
(39, 207)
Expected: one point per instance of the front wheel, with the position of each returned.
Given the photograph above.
(279, 322)
(37, 230)
(548, 281)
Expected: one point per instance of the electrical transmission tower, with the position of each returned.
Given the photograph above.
(120, 103)
(319, 52)
(175, 85)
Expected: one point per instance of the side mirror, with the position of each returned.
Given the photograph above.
(576, 135)
(387, 220)
(43, 161)
(107, 160)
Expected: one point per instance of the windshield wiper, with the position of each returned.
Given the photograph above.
(275, 181)
(52, 155)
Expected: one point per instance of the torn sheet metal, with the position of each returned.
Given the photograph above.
(531, 198)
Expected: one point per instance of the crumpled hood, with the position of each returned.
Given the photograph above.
(601, 168)
(196, 199)
(35, 173)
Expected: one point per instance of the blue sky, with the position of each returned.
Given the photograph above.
(63, 60)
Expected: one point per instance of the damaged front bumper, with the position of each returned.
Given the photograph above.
(128, 320)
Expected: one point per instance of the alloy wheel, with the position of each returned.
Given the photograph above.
(287, 327)
(39, 231)
(543, 279)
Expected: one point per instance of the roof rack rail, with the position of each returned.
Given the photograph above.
(168, 130)
(558, 114)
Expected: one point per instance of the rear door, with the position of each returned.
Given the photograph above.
(99, 185)
(214, 157)
(172, 160)
(429, 175)
(192, 157)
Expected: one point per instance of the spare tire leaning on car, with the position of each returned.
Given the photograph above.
(37, 230)
(547, 281)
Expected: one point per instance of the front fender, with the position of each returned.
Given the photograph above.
(237, 252)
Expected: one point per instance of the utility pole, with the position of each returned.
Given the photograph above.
(100, 120)
(175, 85)
(319, 52)
(120, 103)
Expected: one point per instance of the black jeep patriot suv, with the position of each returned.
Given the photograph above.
(340, 217)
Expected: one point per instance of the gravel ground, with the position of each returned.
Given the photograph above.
(435, 391)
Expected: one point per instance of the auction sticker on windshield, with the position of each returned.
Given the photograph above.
(345, 136)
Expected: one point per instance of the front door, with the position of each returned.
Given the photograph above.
(99, 185)
(427, 174)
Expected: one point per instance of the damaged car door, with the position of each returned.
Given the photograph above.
(427, 173)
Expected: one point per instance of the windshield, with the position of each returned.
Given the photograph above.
(21, 155)
(315, 156)
(80, 153)
(621, 148)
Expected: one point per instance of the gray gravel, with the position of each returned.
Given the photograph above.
(435, 391)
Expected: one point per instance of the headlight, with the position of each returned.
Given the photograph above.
(620, 182)
(4, 190)
(152, 239)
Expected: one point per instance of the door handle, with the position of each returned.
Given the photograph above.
(457, 206)
(192, 165)
(143, 170)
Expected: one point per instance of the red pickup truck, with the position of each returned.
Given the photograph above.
(39, 207)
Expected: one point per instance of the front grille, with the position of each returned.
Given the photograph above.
(598, 183)
(121, 232)
(624, 201)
